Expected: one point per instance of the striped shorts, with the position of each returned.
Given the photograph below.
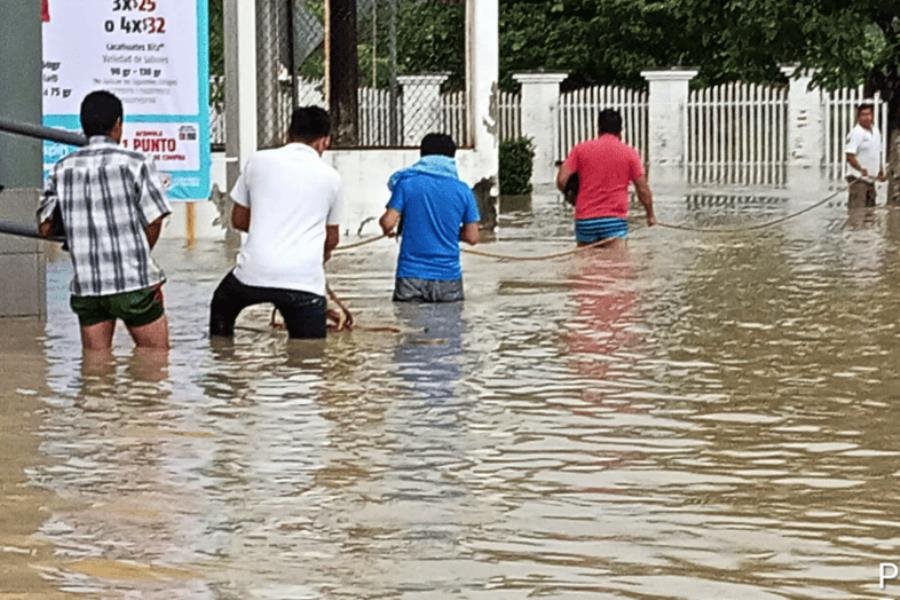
(588, 231)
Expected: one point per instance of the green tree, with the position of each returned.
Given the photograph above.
(612, 41)
(846, 43)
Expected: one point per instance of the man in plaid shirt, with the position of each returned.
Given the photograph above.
(111, 206)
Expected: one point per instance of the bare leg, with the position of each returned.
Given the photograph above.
(153, 335)
(149, 364)
(97, 362)
(98, 337)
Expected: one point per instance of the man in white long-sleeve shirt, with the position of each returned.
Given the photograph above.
(863, 150)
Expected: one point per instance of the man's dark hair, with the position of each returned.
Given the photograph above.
(864, 106)
(309, 123)
(438, 143)
(99, 112)
(610, 121)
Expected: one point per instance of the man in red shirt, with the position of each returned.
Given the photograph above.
(605, 166)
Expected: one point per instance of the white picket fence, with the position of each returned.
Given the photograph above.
(839, 108)
(734, 132)
(216, 125)
(509, 109)
(578, 111)
(455, 117)
(737, 133)
(374, 106)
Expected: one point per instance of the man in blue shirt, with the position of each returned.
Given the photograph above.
(437, 210)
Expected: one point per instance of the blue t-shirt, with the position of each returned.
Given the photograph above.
(434, 207)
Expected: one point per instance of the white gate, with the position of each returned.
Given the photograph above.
(374, 110)
(737, 133)
(509, 107)
(578, 110)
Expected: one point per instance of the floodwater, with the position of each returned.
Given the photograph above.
(702, 416)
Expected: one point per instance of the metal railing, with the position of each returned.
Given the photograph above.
(42, 133)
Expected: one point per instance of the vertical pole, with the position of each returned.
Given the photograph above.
(343, 71)
(374, 44)
(293, 58)
(240, 85)
(21, 261)
(392, 60)
(20, 80)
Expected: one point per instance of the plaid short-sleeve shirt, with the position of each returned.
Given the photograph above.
(107, 196)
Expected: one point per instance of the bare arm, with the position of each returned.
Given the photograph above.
(45, 229)
(646, 197)
(240, 218)
(50, 198)
(388, 222)
(851, 159)
(153, 231)
(469, 234)
(562, 177)
(332, 239)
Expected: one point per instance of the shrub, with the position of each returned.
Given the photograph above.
(516, 165)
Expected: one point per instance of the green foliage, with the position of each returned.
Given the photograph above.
(847, 43)
(612, 41)
(432, 38)
(516, 165)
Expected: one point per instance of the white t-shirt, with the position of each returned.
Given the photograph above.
(866, 145)
(292, 194)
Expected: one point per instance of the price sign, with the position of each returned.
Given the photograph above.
(153, 55)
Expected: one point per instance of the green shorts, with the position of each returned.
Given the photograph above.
(135, 309)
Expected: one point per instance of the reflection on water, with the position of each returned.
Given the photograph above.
(692, 417)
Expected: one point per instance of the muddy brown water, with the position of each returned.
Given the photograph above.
(697, 417)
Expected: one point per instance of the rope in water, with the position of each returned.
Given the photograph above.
(604, 242)
(364, 242)
(27, 231)
(551, 256)
(756, 227)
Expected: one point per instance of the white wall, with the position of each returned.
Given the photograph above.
(364, 173)
(205, 212)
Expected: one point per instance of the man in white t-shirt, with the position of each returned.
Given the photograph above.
(288, 200)
(863, 150)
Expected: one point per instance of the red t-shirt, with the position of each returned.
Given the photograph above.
(605, 166)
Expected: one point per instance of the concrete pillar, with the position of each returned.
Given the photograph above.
(805, 130)
(421, 105)
(668, 96)
(240, 86)
(483, 70)
(22, 293)
(540, 122)
(483, 62)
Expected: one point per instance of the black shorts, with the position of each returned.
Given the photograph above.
(303, 312)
